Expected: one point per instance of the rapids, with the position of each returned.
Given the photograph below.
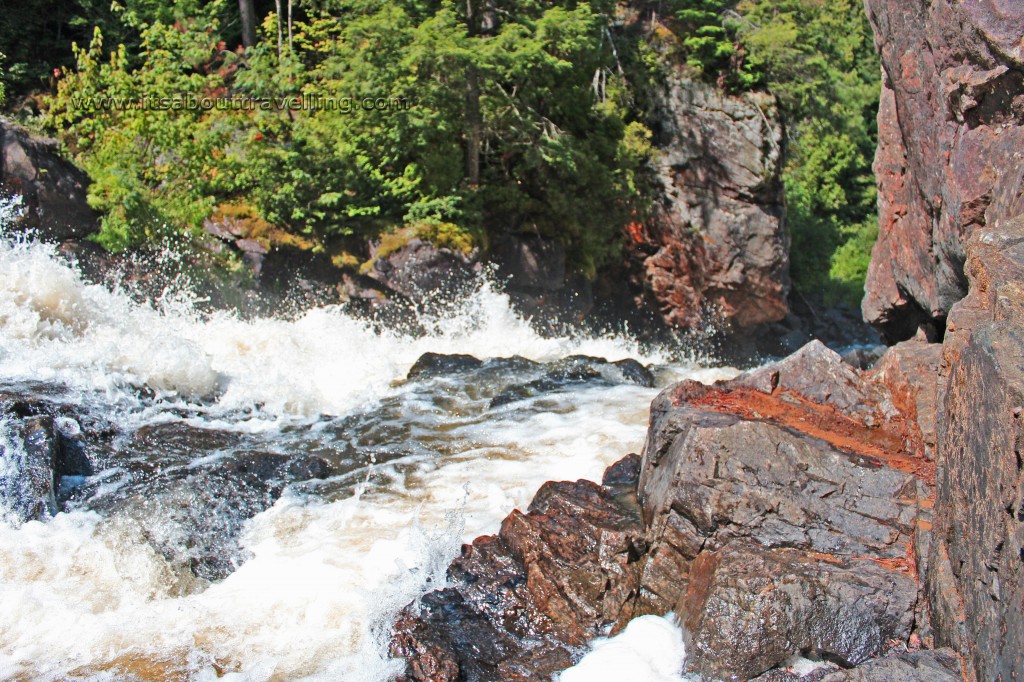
(313, 579)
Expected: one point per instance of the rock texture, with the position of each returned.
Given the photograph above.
(715, 245)
(53, 190)
(521, 604)
(782, 513)
(951, 181)
(977, 582)
(951, 127)
(782, 507)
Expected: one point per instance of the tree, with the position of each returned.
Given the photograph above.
(247, 12)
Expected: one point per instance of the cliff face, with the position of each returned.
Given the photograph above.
(951, 178)
(951, 130)
(715, 243)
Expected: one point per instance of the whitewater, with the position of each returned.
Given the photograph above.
(419, 468)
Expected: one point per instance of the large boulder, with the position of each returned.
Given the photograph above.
(52, 189)
(782, 511)
(715, 245)
(422, 271)
(951, 126)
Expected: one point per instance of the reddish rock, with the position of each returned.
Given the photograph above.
(910, 370)
(784, 514)
(523, 603)
(749, 608)
(951, 126)
(977, 582)
(715, 246)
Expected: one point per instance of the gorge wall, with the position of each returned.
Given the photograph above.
(715, 243)
(951, 130)
(950, 170)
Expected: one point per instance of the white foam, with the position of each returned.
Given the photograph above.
(649, 649)
(90, 598)
(57, 328)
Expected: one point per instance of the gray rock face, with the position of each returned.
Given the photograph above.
(716, 241)
(781, 517)
(749, 608)
(419, 269)
(976, 583)
(951, 124)
(53, 190)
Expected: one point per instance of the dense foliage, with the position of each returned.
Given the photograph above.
(473, 117)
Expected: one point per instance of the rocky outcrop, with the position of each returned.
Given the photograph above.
(951, 126)
(715, 245)
(951, 197)
(521, 604)
(782, 507)
(782, 513)
(53, 191)
(423, 272)
(977, 581)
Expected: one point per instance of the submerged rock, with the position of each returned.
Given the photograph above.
(38, 450)
(436, 364)
(193, 515)
(575, 370)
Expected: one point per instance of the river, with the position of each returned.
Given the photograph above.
(119, 583)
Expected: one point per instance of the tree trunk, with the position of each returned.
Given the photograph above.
(474, 118)
(248, 13)
(280, 47)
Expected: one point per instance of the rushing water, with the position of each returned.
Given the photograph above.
(102, 590)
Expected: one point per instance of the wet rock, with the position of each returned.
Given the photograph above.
(750, 608)
(436, 364)
(782, 510)
(53, 190)
(954, 88)
(575, 370)
(715, 246)
(28, 482)
(782, 513)
(37, 453)
(193, 516)
(522, 603)
(942, 665)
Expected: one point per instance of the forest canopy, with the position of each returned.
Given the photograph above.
(337, 121)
